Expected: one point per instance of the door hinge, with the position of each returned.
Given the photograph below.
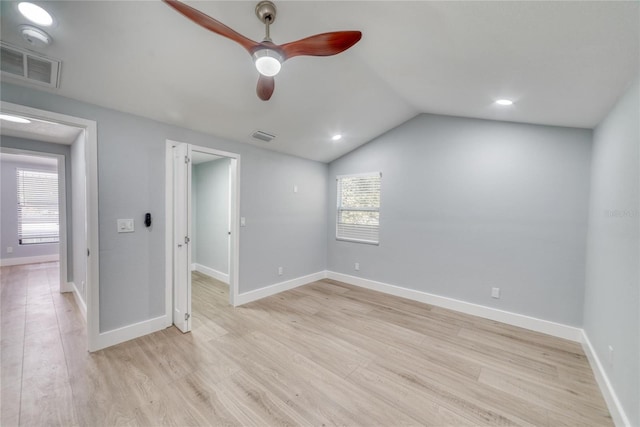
(88, 252)
(187, 159)
(186, 316)
(186, 239)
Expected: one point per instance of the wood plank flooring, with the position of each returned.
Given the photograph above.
(322, 354)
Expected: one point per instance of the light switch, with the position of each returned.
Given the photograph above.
(125, 226)
(243, 222)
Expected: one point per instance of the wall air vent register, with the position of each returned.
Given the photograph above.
(262, 136)
(27, 66)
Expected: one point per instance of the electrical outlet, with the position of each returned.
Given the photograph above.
(9, 249)
(280, 271)
(357, 266)
(610, 356)
(495, 293)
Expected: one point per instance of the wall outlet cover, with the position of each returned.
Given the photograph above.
(125, 226)
(495, 292)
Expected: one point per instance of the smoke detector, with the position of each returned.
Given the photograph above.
(35, 36)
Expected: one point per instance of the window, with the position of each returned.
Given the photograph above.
(37, 207)
(358, 216)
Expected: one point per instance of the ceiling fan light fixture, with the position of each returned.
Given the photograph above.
(504, 102)
(268, 62)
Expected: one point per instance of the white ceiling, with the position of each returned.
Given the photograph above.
(564, 63)
(40, 130)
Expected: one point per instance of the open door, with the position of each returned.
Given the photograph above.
(181, 239)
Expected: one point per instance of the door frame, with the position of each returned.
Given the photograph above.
(65, 286)
(90, 129)
(234, 215)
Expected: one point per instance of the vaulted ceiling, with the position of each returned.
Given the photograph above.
(563, 63)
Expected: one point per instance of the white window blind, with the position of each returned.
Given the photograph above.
(37, 207)
(358, 214)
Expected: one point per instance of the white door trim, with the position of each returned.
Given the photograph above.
(234, 253)
(91, 159)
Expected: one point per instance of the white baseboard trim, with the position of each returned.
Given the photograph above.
(618, 415)
(267, 291)
(79, 300)
(527, 322)
(223, 277)
(6, 262)
(129, 332)
(67, 287)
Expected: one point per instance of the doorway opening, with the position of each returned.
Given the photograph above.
(202, 222)
(78, 184)
(36, 230)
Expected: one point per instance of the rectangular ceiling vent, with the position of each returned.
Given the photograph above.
(263, 136)
(29, 66)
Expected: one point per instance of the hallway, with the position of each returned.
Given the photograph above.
(39, 325)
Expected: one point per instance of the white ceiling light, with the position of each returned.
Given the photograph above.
(504, 102)
(14, 119)
(336, 137)
(35, 36)
(35, 14)
(268, 62)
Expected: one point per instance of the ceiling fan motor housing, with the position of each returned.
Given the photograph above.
(266, 12)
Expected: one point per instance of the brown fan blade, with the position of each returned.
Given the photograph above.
(211, 24)
(325, 44)
(265, 88)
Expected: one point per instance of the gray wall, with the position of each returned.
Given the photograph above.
(612, 296)
(211, 206)
(469, 204)
(45, 147)
(283, 229)
(9, 214)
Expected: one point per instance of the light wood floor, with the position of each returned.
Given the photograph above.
(326, 353)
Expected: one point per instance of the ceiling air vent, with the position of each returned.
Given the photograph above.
(263, 136)
(29, 66)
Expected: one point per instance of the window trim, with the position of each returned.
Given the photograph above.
(338, 209)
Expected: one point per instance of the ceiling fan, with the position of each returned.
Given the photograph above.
(268, 56)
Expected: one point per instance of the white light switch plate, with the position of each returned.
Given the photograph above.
(125, 226)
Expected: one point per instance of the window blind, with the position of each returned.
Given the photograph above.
(38, 220)
(358, 213)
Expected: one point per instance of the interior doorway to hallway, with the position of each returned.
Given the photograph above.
(79, 266)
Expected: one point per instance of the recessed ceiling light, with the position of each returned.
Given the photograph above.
(504, 102)
(14, 119)
(336, 137)
(35, 14)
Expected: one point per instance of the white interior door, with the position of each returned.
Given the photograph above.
(181, 237)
